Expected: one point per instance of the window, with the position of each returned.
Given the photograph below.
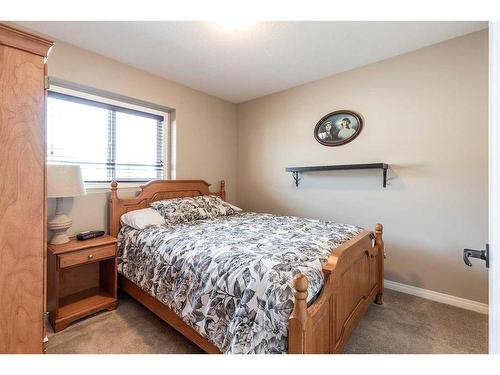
(109, 142)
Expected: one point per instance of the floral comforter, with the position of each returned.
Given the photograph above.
(231, 278)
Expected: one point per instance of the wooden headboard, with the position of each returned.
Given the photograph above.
(155, 190)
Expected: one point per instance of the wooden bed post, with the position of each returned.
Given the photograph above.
(114, 188)
(113, 199)
(299, 319)
(379, 243)
(223, 190)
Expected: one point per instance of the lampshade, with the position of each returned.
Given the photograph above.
(64, 181)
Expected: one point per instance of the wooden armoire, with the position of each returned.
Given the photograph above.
(22, 190)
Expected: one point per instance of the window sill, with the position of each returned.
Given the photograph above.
(105, 187)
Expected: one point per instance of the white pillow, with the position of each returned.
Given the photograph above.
(140, 219)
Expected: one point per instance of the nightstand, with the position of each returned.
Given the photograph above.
(81, 279)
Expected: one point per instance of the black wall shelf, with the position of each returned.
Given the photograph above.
(297, 170)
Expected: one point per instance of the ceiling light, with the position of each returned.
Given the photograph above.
(234, 23)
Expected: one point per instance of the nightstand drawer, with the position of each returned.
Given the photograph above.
(86, 256)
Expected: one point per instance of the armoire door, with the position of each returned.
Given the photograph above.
(22, 190)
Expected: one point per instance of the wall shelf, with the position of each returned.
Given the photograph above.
(297, 170)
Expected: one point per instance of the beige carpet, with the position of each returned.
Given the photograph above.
(404, 324)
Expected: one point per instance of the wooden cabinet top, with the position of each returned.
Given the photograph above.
(24, 41)
(75, 245)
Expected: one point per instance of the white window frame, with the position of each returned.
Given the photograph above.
(81, 91)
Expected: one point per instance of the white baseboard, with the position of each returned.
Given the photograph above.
(438, 297)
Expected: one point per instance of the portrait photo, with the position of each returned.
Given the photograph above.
(338, 128)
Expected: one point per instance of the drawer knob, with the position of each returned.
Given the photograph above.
(90, 256)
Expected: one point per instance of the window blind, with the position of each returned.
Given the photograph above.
(109, 142)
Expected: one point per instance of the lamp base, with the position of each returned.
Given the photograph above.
(59, 238)
(59, 224)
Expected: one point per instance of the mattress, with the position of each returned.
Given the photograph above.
(231, 278)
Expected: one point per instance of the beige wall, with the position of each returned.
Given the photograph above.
(205, 125)
(425, 114)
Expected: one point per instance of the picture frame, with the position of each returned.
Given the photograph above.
(338, 128)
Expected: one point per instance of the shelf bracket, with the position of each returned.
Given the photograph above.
(384, 171)
(296, 178)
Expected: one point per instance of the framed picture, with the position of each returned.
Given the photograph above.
(338, 128)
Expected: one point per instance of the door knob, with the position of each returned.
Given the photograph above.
(479, 254)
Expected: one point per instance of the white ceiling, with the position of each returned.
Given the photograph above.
(265, 57)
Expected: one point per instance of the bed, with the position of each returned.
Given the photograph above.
(288, 284)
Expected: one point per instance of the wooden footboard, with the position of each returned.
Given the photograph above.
(353, 279)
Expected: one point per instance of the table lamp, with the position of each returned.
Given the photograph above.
(62, 181)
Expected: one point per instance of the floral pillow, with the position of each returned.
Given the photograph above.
(215, 206)
(181, 210)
